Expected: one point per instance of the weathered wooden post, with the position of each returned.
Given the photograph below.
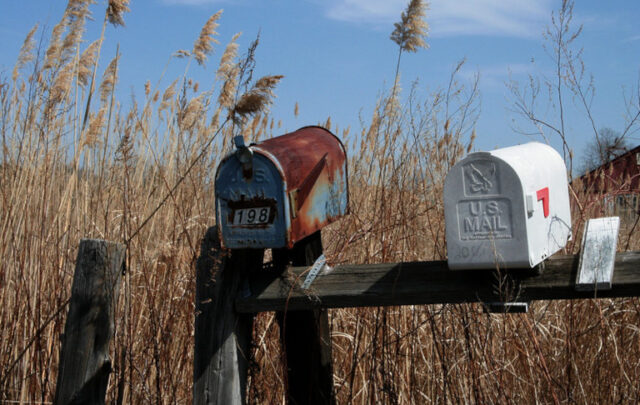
(85, 365)
(305, 336)
(222, 336)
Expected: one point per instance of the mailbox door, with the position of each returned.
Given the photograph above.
(485, 215)
(251, 213)
(326, 202)
(544, 177)
(314, 165)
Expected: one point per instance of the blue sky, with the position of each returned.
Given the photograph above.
(336, 55)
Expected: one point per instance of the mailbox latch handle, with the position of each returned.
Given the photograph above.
(245, 156)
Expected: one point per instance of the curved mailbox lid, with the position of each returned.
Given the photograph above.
(546, 193)
(508, 207)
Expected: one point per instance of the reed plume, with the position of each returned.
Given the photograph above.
(215, 120)
(87, 60)
(257, 99)
(471, 140)
(167, 96)
(410, 34)
(228, 91)
(61, 85)
(228, 57)
(55, 43)
(188, 118)
(77, 9)
(228, 71)
(96, 125)
(412, 30)
(181, 53)
(115, 10)
(204, 44)
(26, 53)
(109, 79)
(77, 12)
(327, 123)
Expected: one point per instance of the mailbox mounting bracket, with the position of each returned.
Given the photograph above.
(319, 264)
(506, 307)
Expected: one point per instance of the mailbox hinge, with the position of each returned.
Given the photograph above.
(293, 202)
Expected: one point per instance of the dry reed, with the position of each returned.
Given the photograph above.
(411, 32)
(26, 53)
(115, 11)
(204, 44)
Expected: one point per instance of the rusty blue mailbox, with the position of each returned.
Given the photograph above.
(277, 192)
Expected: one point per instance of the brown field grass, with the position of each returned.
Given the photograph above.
(70, 169)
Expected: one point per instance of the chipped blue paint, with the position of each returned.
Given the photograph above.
(264, 189)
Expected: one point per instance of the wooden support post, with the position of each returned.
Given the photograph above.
(305, 337)
(222, 336)
(85, 366)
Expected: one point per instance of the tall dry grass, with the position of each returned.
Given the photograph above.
(77, 163)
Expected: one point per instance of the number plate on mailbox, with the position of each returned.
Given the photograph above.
(251, 216)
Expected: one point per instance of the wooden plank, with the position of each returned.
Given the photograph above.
(222, 336)
(85, 365)
(417, 283)
(305, 336)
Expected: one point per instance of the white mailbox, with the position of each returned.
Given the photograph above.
(507, 208)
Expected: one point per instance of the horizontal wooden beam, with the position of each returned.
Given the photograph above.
(418, 283)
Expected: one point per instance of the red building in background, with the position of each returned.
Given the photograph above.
(617, 185)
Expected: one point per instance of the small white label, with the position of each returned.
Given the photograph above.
(251, 216)
(598, 254)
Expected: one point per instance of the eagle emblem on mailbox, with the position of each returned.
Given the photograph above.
(480, 177)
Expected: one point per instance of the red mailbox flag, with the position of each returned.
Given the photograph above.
(543, 194)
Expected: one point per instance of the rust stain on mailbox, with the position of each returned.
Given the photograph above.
(301, 177)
